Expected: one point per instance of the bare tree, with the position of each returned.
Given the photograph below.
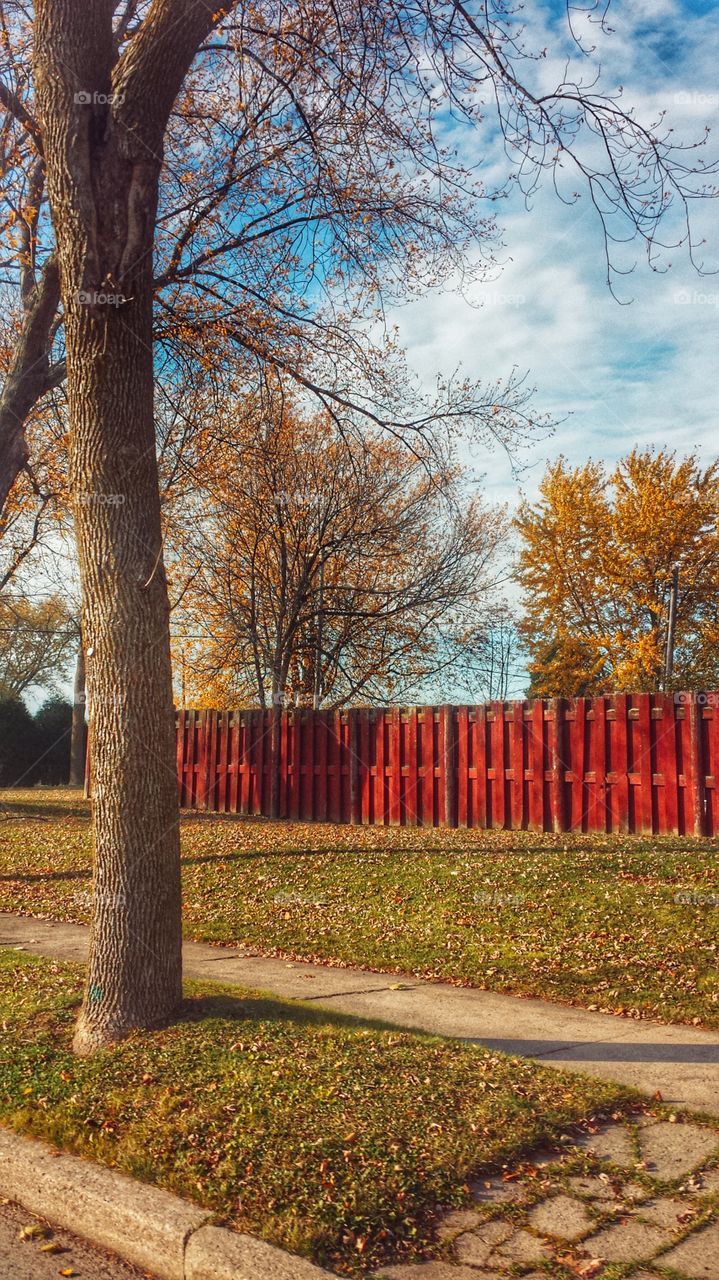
(324, 570)
(490, 657)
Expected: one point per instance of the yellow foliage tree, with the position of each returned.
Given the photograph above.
(596, 562)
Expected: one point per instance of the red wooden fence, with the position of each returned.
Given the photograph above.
(627, 763)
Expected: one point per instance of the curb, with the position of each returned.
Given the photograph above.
(144, 1225)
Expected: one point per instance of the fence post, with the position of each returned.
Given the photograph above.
(395, 767)
(697, 782)
(275, 730)
(479, 756)
(517, 734)
(535, 754)
(462, 765)
(353, 737)
(559, 813)
(448, 766)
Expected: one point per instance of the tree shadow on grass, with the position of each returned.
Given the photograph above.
(255, 1007)
(17, 810)
(41, 876)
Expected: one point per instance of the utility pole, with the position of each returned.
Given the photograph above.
(671, 627)
(78, 743)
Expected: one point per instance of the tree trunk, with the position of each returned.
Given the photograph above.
(78, 737)
(103, 188)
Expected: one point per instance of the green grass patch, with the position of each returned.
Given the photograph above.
(332, 1137)
(588, 920)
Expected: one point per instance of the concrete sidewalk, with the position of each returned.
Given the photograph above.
(681, 1063)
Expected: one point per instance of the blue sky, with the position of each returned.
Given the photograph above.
(641, 373)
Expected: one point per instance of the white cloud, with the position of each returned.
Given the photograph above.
(642, 373)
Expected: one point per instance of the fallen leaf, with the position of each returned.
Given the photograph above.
(34, 1231)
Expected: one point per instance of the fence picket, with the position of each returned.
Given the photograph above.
(620, 764)
(711, 766)
(463, 784)
(596, 816)
(645, 752)
(557, 765)
(495, 772)
(517, 736)
(411, 790)
(667, 766)
(696, 780)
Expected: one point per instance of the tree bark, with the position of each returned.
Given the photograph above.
(135, 955)
(78, 737)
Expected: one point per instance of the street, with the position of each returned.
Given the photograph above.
(23, 1259)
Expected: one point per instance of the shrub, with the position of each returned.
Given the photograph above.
(53, 725)
(18, 745)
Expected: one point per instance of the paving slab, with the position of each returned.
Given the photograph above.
(612, 1145)
(522, 1246)
(680, 1062)
(665, 1212)
(672, 1150)
(561, 1216)
(627, 1242)
(459, 1220)
(475, 1248)
(697, 1256)
(636, 1192)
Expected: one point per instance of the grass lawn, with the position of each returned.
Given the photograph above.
(326, 1135)
(589, 920)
